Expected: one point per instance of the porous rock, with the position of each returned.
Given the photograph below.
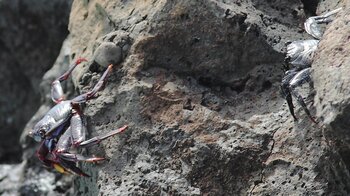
(332, 80)
(238, 137)
(199, 89)
(108, 53)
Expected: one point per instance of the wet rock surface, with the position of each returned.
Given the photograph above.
(198, 84)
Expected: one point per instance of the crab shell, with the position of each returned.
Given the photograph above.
(301, 52)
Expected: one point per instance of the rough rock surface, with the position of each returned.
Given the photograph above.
(332, 80)
(199, 88)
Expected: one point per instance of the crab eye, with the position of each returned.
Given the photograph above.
(42, 133)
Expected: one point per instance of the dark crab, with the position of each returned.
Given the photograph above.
(300, 56)
(61, 130)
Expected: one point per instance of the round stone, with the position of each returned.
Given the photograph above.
(108, 53)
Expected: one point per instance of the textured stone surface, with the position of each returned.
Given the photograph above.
(199, 88)
(200, 91)
(332, 81)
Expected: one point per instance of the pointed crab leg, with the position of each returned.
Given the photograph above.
(286, 90)
(86, 96)
(78, 157)
(56, 88)
(98, 139)
(299, 79)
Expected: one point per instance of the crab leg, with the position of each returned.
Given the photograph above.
(299, 79)
(312, 24)
(56, 88)
(73, 136)
(77, 129)
(325, 17)
(67, 141)
(86, 96)
(98, 139)
(286, 90)
(67, 160)
(78, 157)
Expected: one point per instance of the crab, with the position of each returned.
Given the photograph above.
(300, 56)
(61, 131)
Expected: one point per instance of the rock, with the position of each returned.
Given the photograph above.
(112, 49)
(10, 177)
(230, 144)
(108, 53)
(332, 81)
(198, 84)
(325, 6)
(330, 73)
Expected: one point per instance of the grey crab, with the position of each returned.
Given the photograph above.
(300, 56)
(61, 130)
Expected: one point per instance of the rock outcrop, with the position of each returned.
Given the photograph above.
(198, 84)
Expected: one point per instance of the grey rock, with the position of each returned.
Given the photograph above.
(332, 99)
(111, 49)
(108, 53)
(231, 144)
(10, 178)
(236, 137)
